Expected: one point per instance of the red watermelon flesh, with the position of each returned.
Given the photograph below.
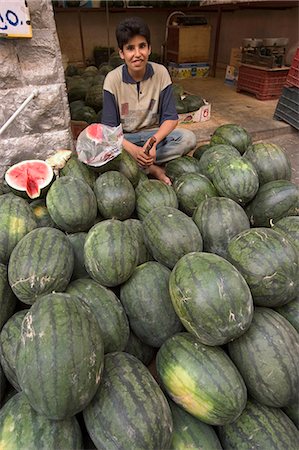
(29, 176)
(95, 132)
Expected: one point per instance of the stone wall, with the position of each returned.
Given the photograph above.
(43, 127)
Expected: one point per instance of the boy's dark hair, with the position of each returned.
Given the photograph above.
(128, 28)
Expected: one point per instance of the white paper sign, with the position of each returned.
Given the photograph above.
(14, 19)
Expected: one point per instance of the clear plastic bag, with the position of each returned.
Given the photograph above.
(98, 144)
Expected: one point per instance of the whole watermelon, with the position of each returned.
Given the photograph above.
(110, 252)
(269, 264)
(61, 347)
(232, 134)
(129, 410)
(8, 300)
(210, 297)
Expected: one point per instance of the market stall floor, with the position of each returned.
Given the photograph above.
(256, 116)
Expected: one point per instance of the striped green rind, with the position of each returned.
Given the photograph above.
(211, 298)
(290, 311)
(184, 164)
(136, 229)
(60, 356)
(77, 169)
(129, 410)
(191, 189)
(199, 151)
(236, 178)
(267, 356)
(201, 379)
(41, 213)
(9, 341)
(110, 252)
(2, 385)
(273, 201)
(145, 297)
(77, 241)
(8, 300)
(115, 195)
(260, 427)
(23, 428)
(42, 262)
(170, 234)
(72, 204)
(107, 309)
(124, 163)
(153, 194)
(213, 155)
(190, 433)
(16, 220)
(139, 349)
(269, 264)
(270, 161)
(289, 226)
(232, 134)
(219, 219)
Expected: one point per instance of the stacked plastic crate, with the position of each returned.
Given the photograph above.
(287, 108)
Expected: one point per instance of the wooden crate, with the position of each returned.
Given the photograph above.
(188, 43)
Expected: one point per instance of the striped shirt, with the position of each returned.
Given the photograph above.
(138, 104)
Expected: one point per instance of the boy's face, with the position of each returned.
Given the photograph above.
(135, 54)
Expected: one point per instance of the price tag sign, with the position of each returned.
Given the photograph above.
(14, 19)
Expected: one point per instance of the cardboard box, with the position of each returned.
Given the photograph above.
(235, 56)
(188, 70)
(231, 75)
(201, 115)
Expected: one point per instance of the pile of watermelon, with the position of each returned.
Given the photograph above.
(137, 315)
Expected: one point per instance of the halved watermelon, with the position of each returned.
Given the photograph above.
(29, 177)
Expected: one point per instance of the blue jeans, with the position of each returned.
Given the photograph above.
(179, 142)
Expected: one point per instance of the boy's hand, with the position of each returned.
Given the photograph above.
(141, 157)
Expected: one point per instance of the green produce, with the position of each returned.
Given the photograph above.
(107, 309)
(115, 195)
(94, 97)
(135, 227)
(23, 428)
(210, 297)
(16, 220)
(124, 163)
(191, 189)
(219, 219)
(77, 169)
(213, 155)
(86, 113)
(190, 433)
(41, 213)
(145, 297)
(236, 178)
(9, 341)
(291, 312)
(232, 134)
(267, 356)
(72, 204)
(139, 349)
(178, 166)
(42, 262)
(61, 348)
(289, 227)
(110, 252)
(260, 427)
(77, 241)
(169, 234)
(270, 161)
(269, 264)
(199, 151)
(8, 300)
(273, 201)
(201, 379)
(129, 410)
(292, 411)
(154, 193)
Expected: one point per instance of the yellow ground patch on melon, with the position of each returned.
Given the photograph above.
(185, 392)
(17, 225)
(38, 211)
(7, 433)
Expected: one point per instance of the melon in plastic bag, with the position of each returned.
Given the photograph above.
(98, 144)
